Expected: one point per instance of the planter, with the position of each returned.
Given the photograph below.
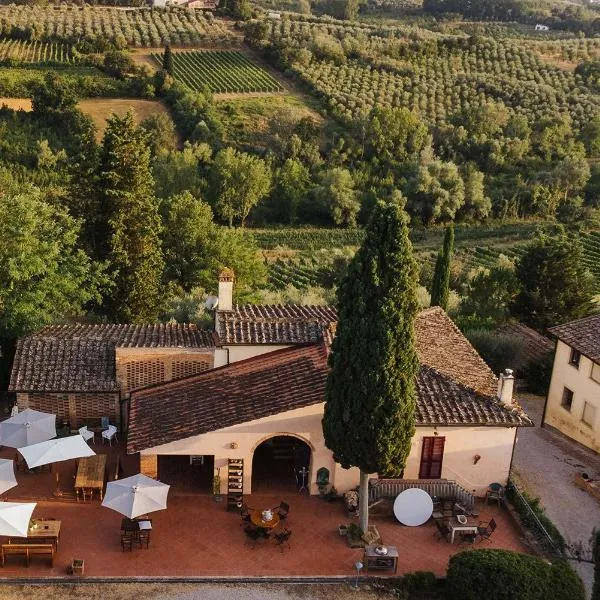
(77, 566)
(343, 529)
(218, 498)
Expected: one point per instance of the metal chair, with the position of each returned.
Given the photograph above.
(86, 434)
(283, 510)
(126, 541)
(486, 529)
(443, 531)
(253, 534)
(495, 492)
(144, 537)
(110, 434)
(283, 538)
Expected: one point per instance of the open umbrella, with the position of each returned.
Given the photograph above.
(52, 451)
(7, 475)
(15, 517)
(135, 496)
(27, 427)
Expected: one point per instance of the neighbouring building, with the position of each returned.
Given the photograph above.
(85, 372)
(573, 401)
(269, 399)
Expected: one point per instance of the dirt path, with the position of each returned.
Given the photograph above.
(545, 465)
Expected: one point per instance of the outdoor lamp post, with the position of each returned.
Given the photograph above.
(358, 566)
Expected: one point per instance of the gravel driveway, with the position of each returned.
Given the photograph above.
(545, 465)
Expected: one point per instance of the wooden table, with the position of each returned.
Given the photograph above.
(257, 518)
(469, 527)
(90, 475)
(45, 532)
(373, 560)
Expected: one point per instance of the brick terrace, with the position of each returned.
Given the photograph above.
(196, 536)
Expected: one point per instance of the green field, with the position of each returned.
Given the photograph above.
(221, 72)
(35, 52)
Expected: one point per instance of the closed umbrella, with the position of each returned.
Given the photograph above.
(27, 427)
(135, 496)
(15, 517)
(52, 451)
(7, 475)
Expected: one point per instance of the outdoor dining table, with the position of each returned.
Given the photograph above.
(40, 532)
(256, 517)
(469, 527)
(90, 475)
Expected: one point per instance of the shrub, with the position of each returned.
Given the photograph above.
(499, 350)
(505, 575)
(539, 374)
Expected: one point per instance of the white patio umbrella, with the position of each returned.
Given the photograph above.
(7, 475)
(52, 451)
(135, 496)
(15, 517)
(27, 427)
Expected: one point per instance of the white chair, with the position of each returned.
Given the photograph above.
(86, 434)
(110, 434)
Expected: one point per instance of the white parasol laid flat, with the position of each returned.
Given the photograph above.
(413, 507)
(135, 496)
(52, 451)
(7, 475)
(15, 517)
(27, 427)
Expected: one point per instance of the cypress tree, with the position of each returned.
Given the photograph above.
(369, 419)
(440, 287)
(131, 223)
(167, 62)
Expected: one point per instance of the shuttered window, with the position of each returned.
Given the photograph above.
(432, 456)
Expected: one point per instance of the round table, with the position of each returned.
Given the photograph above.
(413, 507)
(257, 519)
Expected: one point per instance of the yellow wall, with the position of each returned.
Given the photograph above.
(242, 352)
(584, 389)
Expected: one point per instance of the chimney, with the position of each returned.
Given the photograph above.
(506, 384)
(226, 278)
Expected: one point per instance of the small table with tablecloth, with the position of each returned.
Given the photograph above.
(90, 475)
(469, 527)
(40, 532)
(256, 517)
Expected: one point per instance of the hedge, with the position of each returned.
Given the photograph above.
(505, 575)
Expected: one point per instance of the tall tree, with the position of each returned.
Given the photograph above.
(440, 287)
(369, 419)
(555, 284)
(167, 61)
(337, 193)
(131, 222)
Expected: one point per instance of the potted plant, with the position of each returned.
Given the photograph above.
(343, 529)
(77, 566)
(217, 486)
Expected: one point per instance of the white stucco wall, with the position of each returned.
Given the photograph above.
(242, 352)
(493, 444)
(584, 389)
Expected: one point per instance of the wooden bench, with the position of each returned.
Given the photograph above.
(28, 550)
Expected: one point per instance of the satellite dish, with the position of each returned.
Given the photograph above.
(211, 302)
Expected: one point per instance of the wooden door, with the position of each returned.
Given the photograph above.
(432, 456)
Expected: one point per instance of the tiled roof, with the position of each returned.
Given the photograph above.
(239, 392)
(535, 345)
(274, 324)
(284, 380)
(78, 357)
(583, 335)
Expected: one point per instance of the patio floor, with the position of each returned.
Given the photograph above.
(196, 536)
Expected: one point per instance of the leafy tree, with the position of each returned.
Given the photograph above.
(351, 9)
(167, 61)
(291, 186)
(555, 285)
(477, 205)
(160, 131)
(238, 181)
(337, 192)
(590, 136)
(369, 417)
(436, 192)
(43, 276)
(132, 222)
(118, 63)
(54, 94)
(589, 71)
(440, 287)
(553, 138)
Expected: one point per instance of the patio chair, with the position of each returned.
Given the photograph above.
(443, 531)
(486, 529)
(283, 510)
(245, 513)
(110, 434)
(127, 541)
(144, 537)
(467, 537)
(86, 434)
(283, 538)
(253, 534)
(495, 492)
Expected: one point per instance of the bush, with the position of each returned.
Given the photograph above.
(499, 350)
(539, 374)
(505, 575)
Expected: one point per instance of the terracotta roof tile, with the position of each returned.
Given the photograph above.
(535, 345)
(81, 357)
(583, 335)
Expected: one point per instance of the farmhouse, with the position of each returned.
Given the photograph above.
(573, 401)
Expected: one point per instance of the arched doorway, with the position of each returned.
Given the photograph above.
(277, 464)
